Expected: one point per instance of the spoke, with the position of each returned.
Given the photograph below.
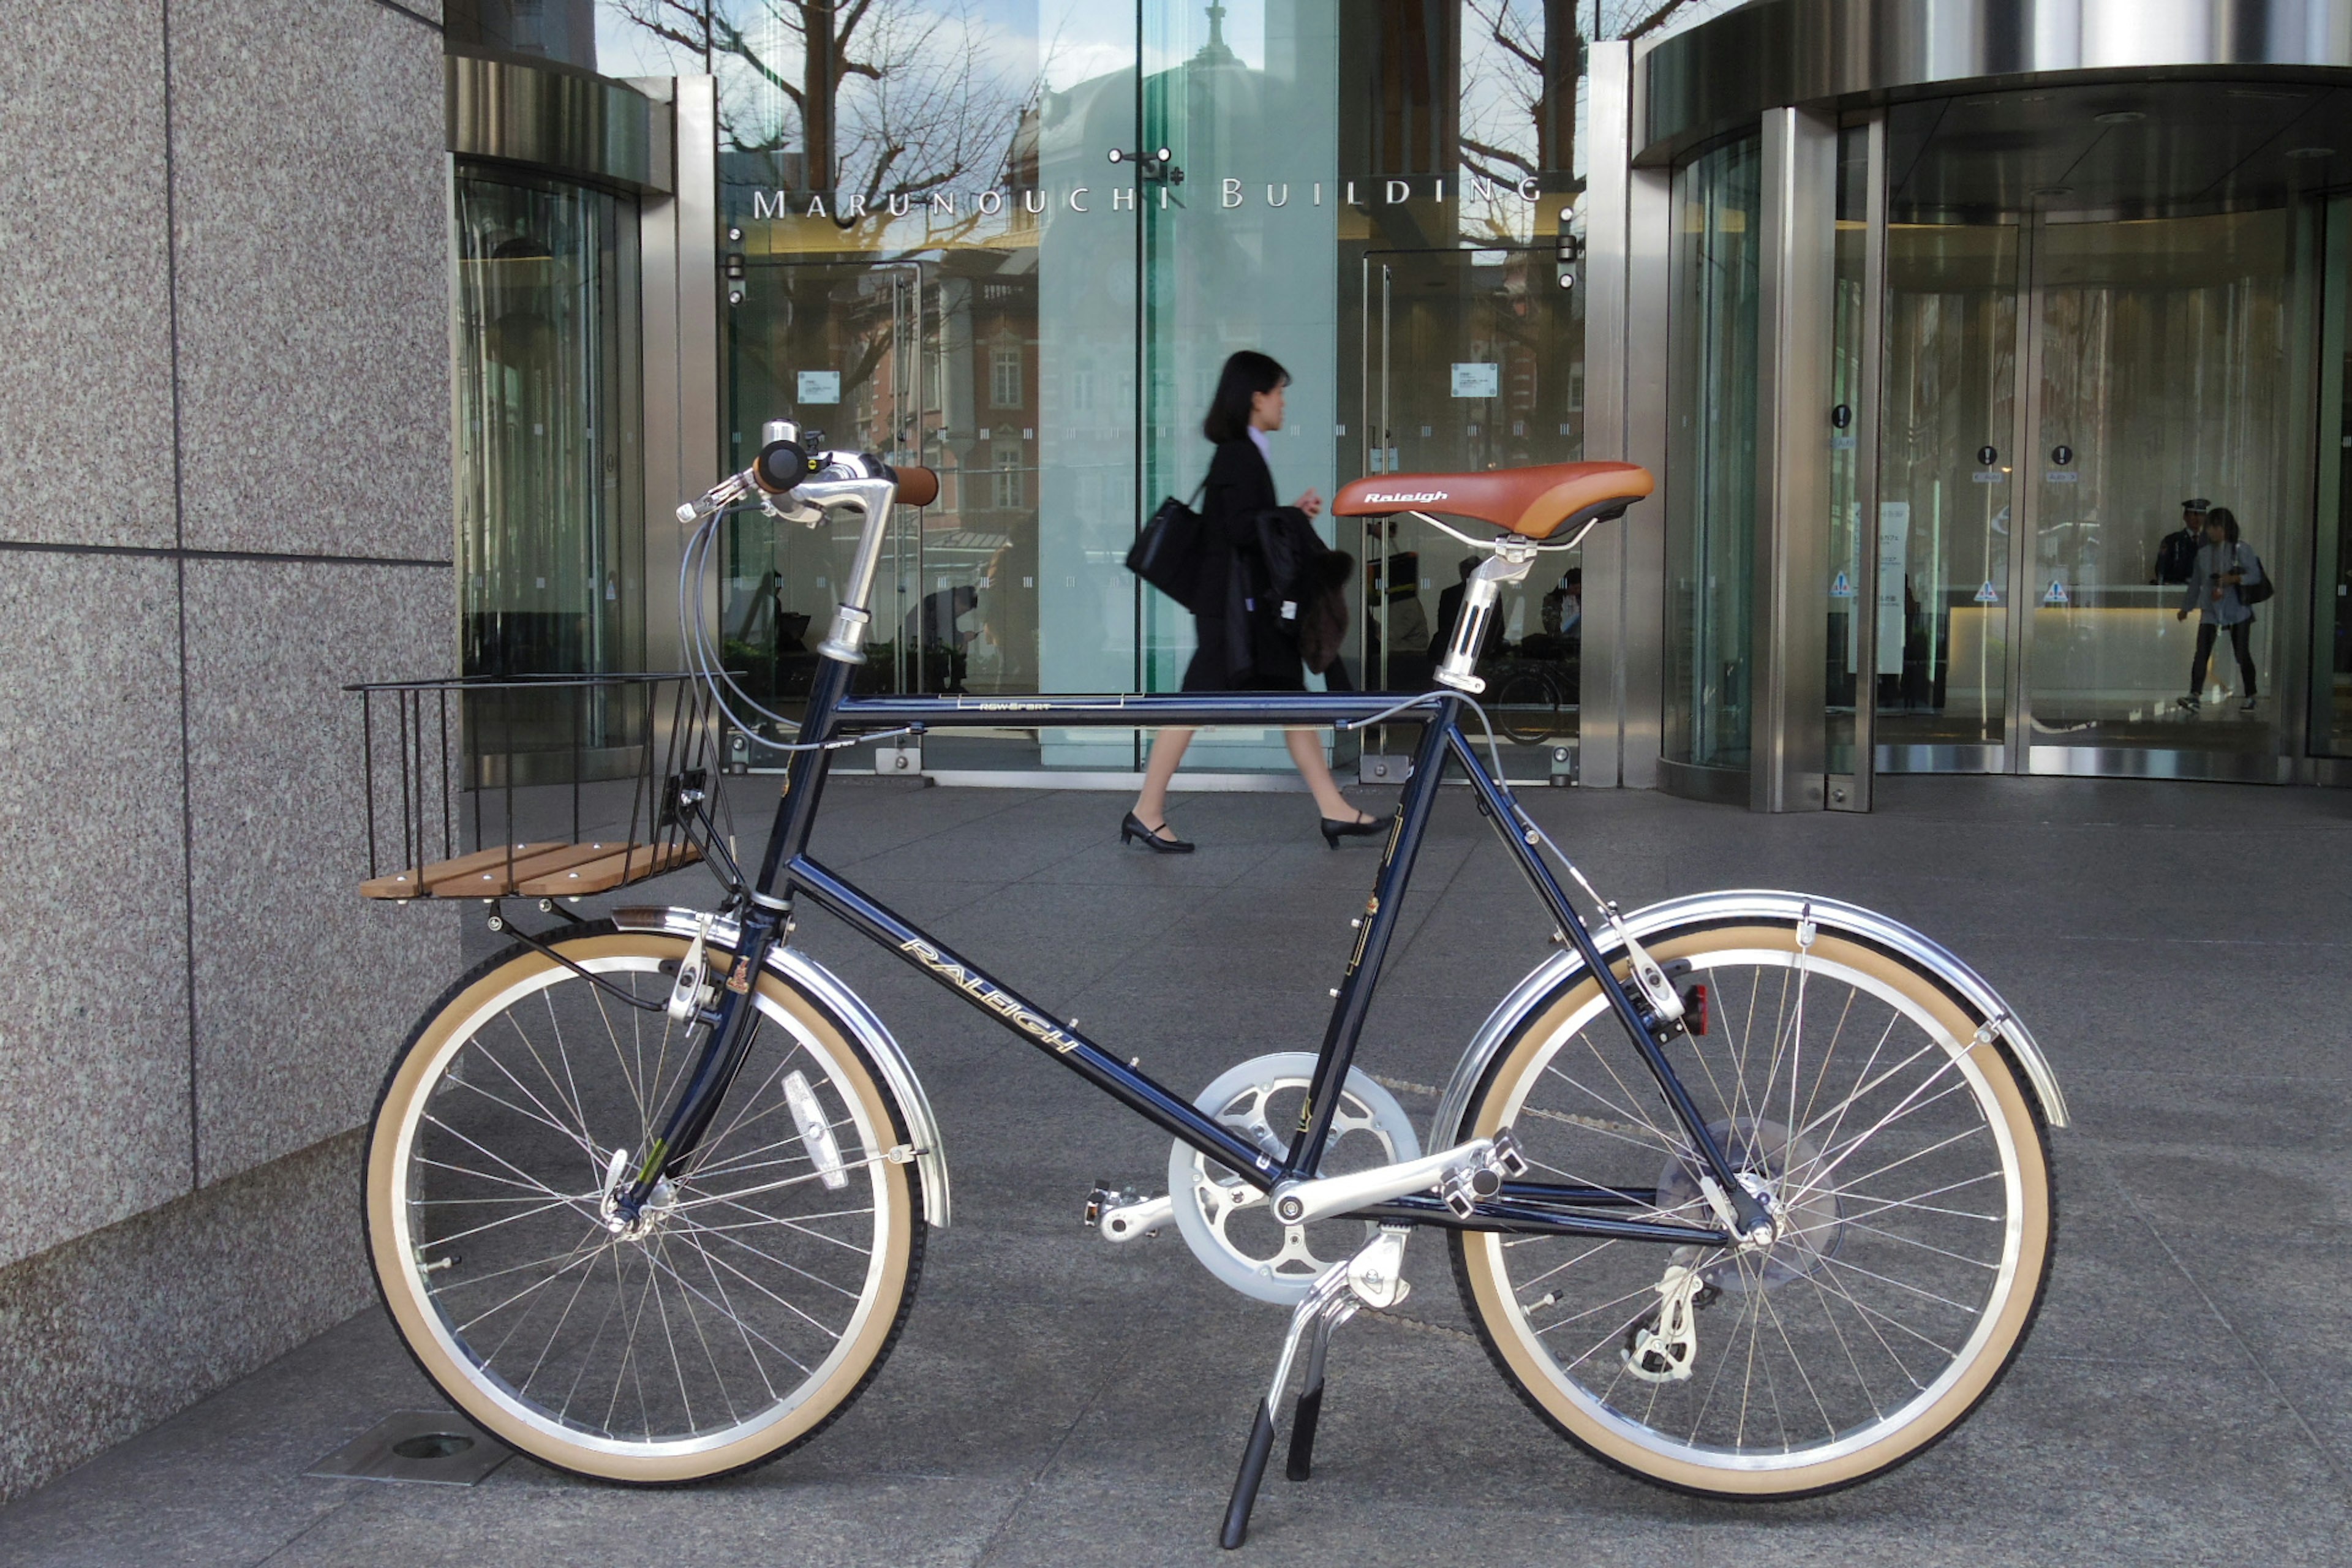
(554, 1333)
(577, 1258)
(728, 1310)
(770, 1258)
(1924, 1246)
(1878, 1205)
(1814, 1183)
(621, 1059)
(733, 1163)
(1796, 1361)
(493, 1224)
(1571, 1263)
(538, 1189)
(1872, 1313)
(699, 1338)
(770, 1295)
(528, 1179)
(739, 1323)
(1861, 1378)
(773, 1076)
(1829, 1055)
(678, 1363)
(1920, 1291)
(544, 1117)
(796, 1222)
(564, 1053)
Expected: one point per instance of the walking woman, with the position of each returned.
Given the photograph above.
(1242, 652)
(2224, 568)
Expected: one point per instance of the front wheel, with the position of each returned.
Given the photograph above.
(1911, 1174)
(758, 1294)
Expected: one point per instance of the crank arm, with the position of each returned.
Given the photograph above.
(1464, 1175)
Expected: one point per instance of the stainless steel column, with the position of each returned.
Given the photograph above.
(1627, 251)
(1602, 699)
(678, 237)
(1854, 791)
(1797, 284)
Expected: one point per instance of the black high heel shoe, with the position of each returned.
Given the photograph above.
(1334, 830)
(1133, 828)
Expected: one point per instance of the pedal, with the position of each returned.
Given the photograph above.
(1125, 1214)
(1483, 1175)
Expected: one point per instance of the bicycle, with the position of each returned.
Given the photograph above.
(1749, 1194)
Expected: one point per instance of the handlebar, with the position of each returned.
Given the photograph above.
(782, 468)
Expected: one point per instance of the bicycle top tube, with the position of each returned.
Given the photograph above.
(1114, 709)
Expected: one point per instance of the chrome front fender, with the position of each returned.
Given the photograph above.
(829, 993)
(1847, 920)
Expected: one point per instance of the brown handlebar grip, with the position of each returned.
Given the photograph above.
(916, 486)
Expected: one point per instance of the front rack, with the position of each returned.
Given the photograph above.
(538, 787)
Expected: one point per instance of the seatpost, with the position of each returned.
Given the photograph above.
(1507, 563)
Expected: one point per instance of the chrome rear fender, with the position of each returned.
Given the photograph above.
(1846, 920)
(820, 984)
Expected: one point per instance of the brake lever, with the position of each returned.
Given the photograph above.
(719, 497)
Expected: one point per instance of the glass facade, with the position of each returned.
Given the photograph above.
(931, 252)
(548, 416)
(1015, 239)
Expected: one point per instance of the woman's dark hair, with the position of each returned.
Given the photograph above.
(2221, 517)
(1246, 375)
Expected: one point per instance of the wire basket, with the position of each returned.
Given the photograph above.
(539, 787)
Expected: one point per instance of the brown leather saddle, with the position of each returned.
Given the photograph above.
(1534, 503)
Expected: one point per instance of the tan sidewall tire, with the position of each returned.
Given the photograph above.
(414, 1316)
(1480, 1255)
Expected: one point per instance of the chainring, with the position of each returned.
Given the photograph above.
(1228, 1224)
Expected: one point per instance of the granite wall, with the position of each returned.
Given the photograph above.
(224, 491)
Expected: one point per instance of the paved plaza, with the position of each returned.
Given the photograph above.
(2181, 951)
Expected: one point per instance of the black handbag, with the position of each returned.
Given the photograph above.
(1170, 551)
(2252, 594)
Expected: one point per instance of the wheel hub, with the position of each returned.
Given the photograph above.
(1784, 1172)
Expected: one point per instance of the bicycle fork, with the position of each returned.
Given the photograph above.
(731, 1023)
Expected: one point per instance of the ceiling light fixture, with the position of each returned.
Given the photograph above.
(2311, 151)
(2120, 117)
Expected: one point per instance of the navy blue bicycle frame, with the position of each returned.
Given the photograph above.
(789, 871)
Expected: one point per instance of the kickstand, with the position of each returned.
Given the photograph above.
(1371, 1276)
(1308, 1411)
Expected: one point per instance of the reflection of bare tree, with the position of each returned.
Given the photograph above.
(876, 98)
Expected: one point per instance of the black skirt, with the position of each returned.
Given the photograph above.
(1207, 671)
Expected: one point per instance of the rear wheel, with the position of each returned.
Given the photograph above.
(1911, 1176)
(766, 1283)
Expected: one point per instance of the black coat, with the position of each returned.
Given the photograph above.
(1240, 649)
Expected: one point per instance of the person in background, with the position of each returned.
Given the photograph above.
(2176, 556)
(1240, 655)
(2222, 565)
(1564, 608)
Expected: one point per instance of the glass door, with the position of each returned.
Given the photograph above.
(1477, 361)
(1948, 430)
(923, 258)
(1239, 224)
(2163, 351)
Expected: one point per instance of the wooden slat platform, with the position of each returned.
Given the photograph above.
(553, 869)
(633, 863)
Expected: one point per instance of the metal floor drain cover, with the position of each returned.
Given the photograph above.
(435, 1446)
